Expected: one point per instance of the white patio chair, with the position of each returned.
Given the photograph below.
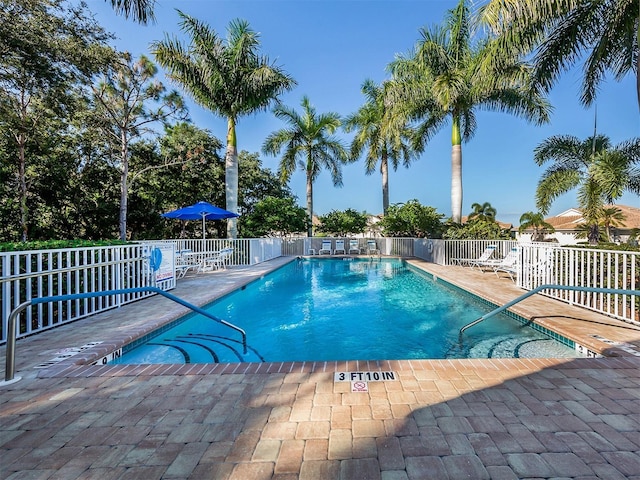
(509, 264)
(326, 247)
(372, 247)
(218, 260)
(354, 247)
(184, 262)
(471, 262)
(339, 247)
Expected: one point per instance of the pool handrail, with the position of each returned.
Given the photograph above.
(545, 287)
(10, 363)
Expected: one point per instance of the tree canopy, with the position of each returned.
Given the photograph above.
(411, 219)
(343, 222)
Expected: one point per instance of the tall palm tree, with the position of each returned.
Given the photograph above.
(561, 31)
(385, 140)
(600, 171)
(536, 221)
(308, 143)
(483, 212)
(449, 76)
(140, 10)
(230, 78)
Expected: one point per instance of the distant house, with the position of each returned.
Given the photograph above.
(567, 225)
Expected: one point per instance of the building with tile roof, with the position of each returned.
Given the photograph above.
(567, 226)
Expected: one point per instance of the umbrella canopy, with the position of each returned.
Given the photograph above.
(200, 210)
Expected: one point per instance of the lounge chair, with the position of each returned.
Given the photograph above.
(339, 247)
(326, 247)
(509, 264)
(185, 261)
(372, 248)
(183, 267)
(354, 247)
(488, 253)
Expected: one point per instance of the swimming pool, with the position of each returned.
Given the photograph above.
(344, 309)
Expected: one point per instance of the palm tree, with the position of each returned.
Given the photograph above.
(601, 173)
(309, 144)
(448, 77)
(561, 31)
(384, 140)
(140, 10)
(537, 222)
(611, 217)
(229, 78)
(484, 212)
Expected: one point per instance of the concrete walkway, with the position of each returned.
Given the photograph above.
(431, 419)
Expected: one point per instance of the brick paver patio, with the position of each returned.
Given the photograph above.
(437, 419)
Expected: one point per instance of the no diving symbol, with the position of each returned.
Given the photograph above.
(359, 387)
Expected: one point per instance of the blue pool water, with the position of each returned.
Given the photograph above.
(331, 309)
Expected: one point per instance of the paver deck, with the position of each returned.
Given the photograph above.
(438, 419)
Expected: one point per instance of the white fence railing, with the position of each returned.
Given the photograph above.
(37, 274)
(544, 263)
(47, 273)
(246, 251)
(402, 247)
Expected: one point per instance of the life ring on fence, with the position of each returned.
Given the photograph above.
(430, 246)
(155, 259)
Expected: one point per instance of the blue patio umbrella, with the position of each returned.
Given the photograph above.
(200, 210)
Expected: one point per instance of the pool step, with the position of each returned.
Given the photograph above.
(193, 348)
(513, 346)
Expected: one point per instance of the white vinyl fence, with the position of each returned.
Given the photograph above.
(246, 251)
(544, 264)
(48, 273)
(400, 247)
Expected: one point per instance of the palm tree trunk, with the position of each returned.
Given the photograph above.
(310, 203)
(384, 169)
(231, 177)
(124, 188)
(594, 234)
(456, 172)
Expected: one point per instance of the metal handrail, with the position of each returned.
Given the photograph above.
(13, 317)
(545, 287)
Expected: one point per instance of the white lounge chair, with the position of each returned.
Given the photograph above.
(184, 262)
(339, 247)
(509, 264)
(372, 248)
(488, 253)
(326, 247)
(183, 267)
(354, 247)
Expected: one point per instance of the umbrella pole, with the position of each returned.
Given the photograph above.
(203, 231)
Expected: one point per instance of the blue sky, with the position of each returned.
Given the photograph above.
(330, 47)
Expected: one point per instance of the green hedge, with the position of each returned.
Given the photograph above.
(56, 244)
